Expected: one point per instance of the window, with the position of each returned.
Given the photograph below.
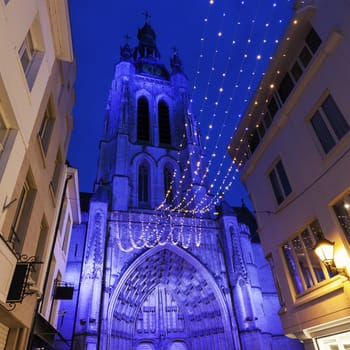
(46, 128)
(168, 185)
(56, 177)
(40, 249)
(164, 123)
(342, 211)
(67, 232)
(31, 53)
(285, 87)
(313, 41)
(304, 267)
(296, 71)
(3, 133)
(272, 107)
(254, 141)
(329, 124)
(280, 183)
(20, 222)
(143, 123)
(143, 185)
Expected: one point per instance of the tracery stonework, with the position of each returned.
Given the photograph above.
(155, 264)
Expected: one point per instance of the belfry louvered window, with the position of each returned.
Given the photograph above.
(164, 123)
(143, 123)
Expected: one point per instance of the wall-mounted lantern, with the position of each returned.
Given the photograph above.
(324, 249)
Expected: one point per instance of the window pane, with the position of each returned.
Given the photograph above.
(143, 120)
(341, 210)
(335, 117)
(322, 132)
(46, 129)
(276, 187)
(285, 87)
(267, 120)
(254, 141)
(296, 71)
(164, 123)
(292, 268)
(305, 56)
(313, 40)
(316, 231)
(272, 107)
(302, 261)
(261, 129)
(309, 244)
(283, 178)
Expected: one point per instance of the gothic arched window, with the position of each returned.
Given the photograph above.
(164, 123)
(143, 185)
(143, 120)
(168, 185)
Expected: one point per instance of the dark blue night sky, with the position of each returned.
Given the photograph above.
(224, 46)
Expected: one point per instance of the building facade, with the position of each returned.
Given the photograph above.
(292, 149)
(37, 74)
(154, 264)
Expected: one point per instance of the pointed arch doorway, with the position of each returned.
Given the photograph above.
(167, 300)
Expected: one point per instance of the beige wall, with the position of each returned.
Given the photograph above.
(22, 107)
(317, 180)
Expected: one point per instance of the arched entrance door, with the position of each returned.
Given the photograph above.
(165, 296)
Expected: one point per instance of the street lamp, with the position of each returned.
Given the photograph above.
(324, 249)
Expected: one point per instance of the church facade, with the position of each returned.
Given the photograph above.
(155, 263)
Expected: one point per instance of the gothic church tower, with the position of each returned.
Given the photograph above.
(154, 268)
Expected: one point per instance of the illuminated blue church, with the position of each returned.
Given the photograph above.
(155, 263)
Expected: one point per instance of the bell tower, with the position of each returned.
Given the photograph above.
(150, 154)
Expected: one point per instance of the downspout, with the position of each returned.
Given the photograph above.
(39, 302)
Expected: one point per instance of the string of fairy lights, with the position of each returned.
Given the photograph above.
(225, 185)
(228, 71)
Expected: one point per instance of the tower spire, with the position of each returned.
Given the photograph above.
(147, 47)
(147, 16)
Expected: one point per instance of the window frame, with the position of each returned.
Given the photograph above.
(32, 47)
(46, 128)
(328, 137)
(304, 269)
(279, 182)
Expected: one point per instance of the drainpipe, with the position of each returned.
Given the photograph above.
(39, 301)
